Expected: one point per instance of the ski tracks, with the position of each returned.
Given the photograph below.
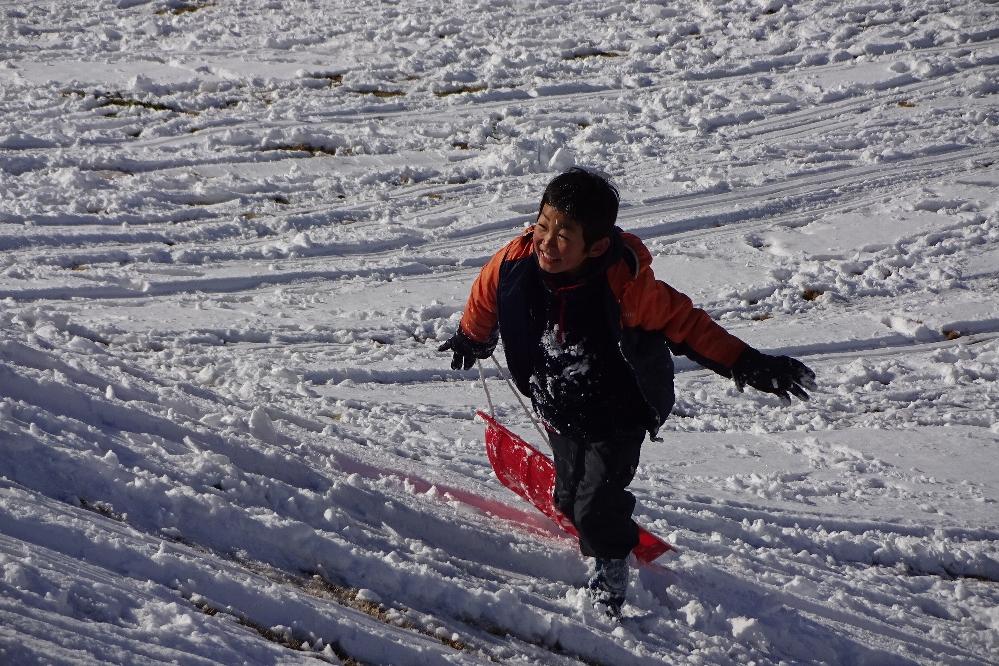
(223, 304)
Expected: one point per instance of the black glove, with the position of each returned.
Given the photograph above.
(779, 375)
(466, 350)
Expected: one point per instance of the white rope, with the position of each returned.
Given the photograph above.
(516, 393)
(482, 378)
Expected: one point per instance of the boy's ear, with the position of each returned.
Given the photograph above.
(599, 247)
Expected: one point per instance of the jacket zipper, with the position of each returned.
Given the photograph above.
(560, 294)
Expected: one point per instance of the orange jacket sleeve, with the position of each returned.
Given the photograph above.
(481, 316)
(653, 305)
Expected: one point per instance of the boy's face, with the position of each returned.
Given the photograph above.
(559, 243)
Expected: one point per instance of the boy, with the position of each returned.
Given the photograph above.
(588, 332)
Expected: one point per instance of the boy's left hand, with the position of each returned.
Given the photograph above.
(780, 375)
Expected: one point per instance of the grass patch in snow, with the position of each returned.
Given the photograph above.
(379, 93)
(312, 149)
(320, 586)
(129, 102)
(460, 90)
(333, 78)
(582, 54)
(103, 508)
(181, 8)
(118, 99)
(283, 636)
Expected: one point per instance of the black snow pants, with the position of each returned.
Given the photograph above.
(591, 480)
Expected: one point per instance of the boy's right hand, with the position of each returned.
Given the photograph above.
(466, 350)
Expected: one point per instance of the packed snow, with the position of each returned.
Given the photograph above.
(235, 232)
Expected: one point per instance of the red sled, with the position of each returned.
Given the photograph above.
(529, 473)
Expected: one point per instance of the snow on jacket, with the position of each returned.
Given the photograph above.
(646, 318)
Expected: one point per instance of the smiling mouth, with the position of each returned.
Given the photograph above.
(547, 257)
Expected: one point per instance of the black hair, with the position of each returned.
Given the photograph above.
(585, 197)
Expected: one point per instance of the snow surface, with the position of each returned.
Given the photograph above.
(235, 232)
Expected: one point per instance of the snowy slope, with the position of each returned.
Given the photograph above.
(233, 234)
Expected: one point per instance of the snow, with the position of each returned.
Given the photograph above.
(234, 234)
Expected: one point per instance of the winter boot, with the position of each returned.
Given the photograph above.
(609, 585)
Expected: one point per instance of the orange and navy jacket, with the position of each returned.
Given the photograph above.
(648, 318)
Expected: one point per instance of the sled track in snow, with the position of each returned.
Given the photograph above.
(792, 195)
(740, 210)
(476, 633)
(523, 98)
(228, 603)
(824, 117)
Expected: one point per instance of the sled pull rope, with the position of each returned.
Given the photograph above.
(482, 378)
(516, 394)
